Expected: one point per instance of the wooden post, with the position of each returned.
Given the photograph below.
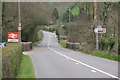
(96, 23)
(19, 20)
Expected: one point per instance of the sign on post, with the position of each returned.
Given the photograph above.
(19, 28)
(100, 30)
(12, 36)
(96, 30)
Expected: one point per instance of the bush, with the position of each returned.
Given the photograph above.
(11, 57)
(58, 34)
(103, 44)
(111, 43)
(51, 29)
(62, 43)
(106, 43)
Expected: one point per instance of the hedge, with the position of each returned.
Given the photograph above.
(11, 58)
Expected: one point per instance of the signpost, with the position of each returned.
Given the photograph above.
(19, 28)
(12, 36)
(19, 20)
(19, 32)
(99, 30)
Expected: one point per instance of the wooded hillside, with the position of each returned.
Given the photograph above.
(32, 15)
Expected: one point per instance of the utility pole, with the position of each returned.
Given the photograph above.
(69, 15)
(95, 23)
(69, 23)
(19, 20)
(95, 13)
(0, 22)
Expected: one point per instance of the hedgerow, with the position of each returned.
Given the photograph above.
(11, 58)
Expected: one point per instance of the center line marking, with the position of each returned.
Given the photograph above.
(85, 64)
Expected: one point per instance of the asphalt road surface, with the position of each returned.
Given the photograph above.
(50, 60)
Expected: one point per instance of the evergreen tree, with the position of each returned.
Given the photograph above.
(55, 15)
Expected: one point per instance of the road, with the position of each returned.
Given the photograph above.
(50, 60)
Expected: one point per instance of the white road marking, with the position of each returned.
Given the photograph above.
(48, 45)
(86, 65)
(93, 71)
(76, 63)
(55, 51)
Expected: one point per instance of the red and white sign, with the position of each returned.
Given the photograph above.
(12, 36)
(100, 30)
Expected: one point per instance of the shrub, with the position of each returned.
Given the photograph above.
(11, 57)
(106, 43)
(51, 29)
(62, 43)
(58, 34)
(111, 43)
(103, 43)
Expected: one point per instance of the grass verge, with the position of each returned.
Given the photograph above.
(26, 68)
(106, 55)
(62, 43)
(97, 53)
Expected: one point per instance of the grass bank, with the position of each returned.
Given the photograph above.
(26, 68)
(106, 55)
(98, 53)
(62, 43)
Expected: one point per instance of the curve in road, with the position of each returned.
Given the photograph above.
(50, 60)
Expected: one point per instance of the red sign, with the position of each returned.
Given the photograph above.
(101, 30)
(12, 36)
